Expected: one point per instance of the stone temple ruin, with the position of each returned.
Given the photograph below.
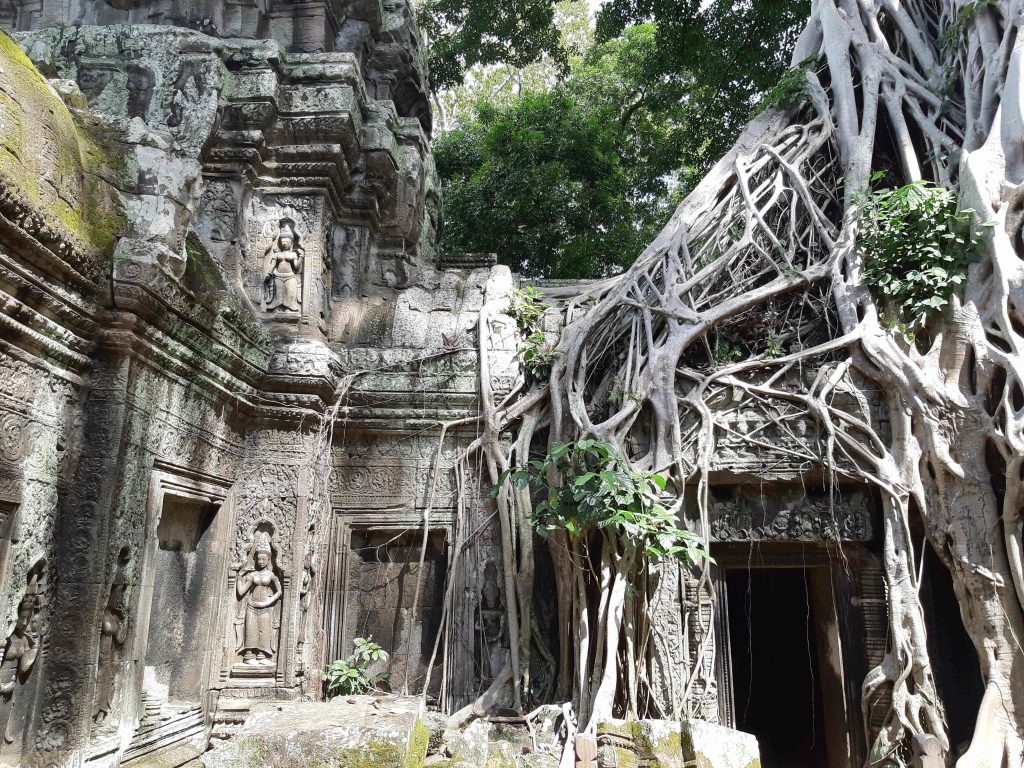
(229, 346)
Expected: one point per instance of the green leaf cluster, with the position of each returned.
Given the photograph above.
(571, 182)
(572, 175)
(598, 491)
(527, 308)
(917, 247)
(352, 675)
(465, 33)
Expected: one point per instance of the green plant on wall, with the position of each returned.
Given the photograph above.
(599, 491)
(353, 675)
(527, 308)
(917, 247)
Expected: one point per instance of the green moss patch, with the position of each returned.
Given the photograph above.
(52, 167)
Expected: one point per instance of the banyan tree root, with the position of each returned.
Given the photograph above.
(920, 89)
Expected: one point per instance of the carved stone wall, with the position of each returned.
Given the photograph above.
(206, 246)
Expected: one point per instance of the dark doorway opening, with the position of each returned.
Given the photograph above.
(774, 659)
(954, 658)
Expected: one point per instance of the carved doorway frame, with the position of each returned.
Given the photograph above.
(168, 479)
(346, 521)
(838, 633)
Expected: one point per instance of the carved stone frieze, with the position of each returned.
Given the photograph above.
(267, 494)
(750, 516)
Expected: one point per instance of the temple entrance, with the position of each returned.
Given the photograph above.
(792, 644)
(775, 669)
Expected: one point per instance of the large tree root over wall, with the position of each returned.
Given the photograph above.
(768, 241)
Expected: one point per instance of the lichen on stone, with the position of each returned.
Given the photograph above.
(53, 168)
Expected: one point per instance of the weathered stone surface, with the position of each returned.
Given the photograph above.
(352, 732)
(161, 409)
(668, 744)
(716, 746)
(470, 746)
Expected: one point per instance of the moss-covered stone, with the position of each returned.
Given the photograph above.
(201, 272)
(418, 742)
(260, 753)
(51, 166)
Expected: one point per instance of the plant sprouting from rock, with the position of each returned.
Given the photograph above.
(527, 308)
(917, 247)
(354, 674)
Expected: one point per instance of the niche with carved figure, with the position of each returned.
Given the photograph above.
(19, 660)
(259, 588)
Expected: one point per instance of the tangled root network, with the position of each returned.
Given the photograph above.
(765, 251)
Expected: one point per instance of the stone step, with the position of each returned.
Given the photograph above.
(165, 733)
(176, 756)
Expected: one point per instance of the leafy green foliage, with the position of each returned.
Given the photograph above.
(351, 676)
(571, 182)
(527, 308)
(538, 356)
(731, 52)
(501, 84)
(917, 247)
(599, 491)
(725, 350)
(464, 33)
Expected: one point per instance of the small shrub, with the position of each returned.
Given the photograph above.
(537, 355)
(917, 247)
(527, 308)
(352, 676)
(600, 491)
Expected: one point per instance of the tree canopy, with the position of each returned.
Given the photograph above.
(573, 181)
(570, 177)
(464, 33)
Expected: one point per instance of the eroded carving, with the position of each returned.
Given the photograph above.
(494, 638)
(21, 649)
(257, 622)
(282, 269)
(113, 633)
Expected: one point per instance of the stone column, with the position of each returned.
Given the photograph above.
(83, 520)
